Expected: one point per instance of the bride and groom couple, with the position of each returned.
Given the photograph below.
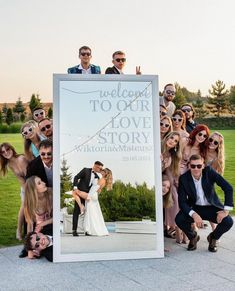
(87, 185)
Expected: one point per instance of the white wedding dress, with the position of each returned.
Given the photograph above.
(93, 220)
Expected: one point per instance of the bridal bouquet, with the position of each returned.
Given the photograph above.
(69, 203)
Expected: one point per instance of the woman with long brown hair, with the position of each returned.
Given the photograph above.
(18, 164)
(178, 122)
(37, 204)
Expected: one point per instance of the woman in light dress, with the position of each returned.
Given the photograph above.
(93, 220)
(171, 157)
(18, 164)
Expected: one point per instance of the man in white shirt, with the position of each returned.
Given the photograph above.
(198, 201)
(167, 98)
(85, 67)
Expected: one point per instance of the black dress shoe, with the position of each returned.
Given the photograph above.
(193, 243)
(212, 244)
(75, 233)
(23, 253)
(86, 233)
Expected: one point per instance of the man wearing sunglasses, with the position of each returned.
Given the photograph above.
(189, 114)
(198, 200)
(40, 244)
(85, 66)
(119, 61)
(46, 128)
(42, 165)
(167, 98)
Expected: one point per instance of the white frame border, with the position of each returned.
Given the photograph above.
(159, 252)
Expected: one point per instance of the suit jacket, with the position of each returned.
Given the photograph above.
(82, 179)
(47, 252)
(36, 168)
(112, 70)
(187, 191)
(76, 70)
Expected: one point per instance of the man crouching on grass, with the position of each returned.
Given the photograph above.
(198, 200)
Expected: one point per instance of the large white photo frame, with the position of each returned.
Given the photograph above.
(125, 112)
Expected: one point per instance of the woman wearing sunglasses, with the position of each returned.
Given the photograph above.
(32, 139)
(165, 126)
(196, 145)
(215, 152)
(18, 164)
(37, 205)
(178, 122)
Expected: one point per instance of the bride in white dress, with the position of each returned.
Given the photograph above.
(93, 221)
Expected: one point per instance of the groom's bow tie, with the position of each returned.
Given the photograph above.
(96, 176)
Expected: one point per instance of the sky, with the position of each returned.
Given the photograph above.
(186, 41)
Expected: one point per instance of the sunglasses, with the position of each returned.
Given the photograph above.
(201, 134)
(27, 132)
(37, 114)
(215, 142)
(186, 110)
(6, 151)
(164, 124)
(169, 92)
(45, 127)
(193, 166)
(177, 119)
(46, 154)
(120, 60)
(163, 113)
(85, 54)
(37, 245)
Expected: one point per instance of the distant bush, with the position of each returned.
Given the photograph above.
(127, 202)
(13, 128)
(218, 123)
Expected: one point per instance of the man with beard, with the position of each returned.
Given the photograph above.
(167, 98)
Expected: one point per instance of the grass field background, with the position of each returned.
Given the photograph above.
(10, 188)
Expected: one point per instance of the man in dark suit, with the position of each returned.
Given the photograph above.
(119, 61)
(42, 165)
(85, 67)
(198, 200)
(83, 182)
(40, 243)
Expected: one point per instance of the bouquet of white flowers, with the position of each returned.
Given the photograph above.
(69, 202)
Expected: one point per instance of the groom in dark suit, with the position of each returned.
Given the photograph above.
(198, 200)
(83, 182)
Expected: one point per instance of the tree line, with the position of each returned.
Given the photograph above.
(18, 112)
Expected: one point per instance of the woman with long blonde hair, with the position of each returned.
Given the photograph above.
(32, 139)
(165, 126)
(37, 204)
(215, 152)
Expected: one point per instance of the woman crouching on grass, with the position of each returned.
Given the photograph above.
(18, 164)
(37, 206)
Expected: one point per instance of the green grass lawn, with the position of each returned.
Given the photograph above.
(10, 188)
